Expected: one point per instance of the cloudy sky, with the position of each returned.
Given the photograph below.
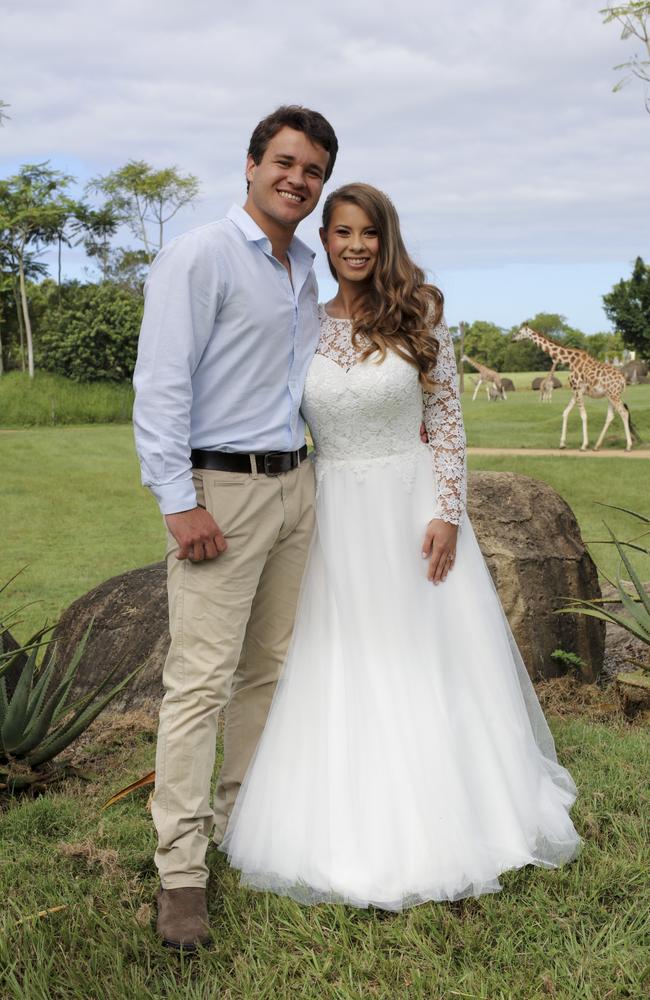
(520, 178)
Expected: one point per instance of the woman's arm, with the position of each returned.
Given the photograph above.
(444, 425)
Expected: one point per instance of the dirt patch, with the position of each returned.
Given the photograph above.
(570, 698)
(556, 452)
(94, 857)
(112, 734)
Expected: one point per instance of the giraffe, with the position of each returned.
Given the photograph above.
(486, 374)
(546, 385)
(587, 377)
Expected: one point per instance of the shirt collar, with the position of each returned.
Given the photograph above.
(250, 229)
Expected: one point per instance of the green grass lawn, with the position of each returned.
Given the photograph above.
(523, 422)
(586, 484)
(579, 933)
(74, 512)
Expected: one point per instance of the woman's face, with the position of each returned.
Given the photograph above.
(352, 243)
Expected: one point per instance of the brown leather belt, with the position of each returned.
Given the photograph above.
(273, 463)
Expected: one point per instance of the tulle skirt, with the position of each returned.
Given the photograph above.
(405, 757)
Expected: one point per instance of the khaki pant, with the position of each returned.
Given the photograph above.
(230, 621)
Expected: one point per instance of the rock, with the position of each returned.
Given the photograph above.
(9, 645)
(527, 533)
(531, 542)
(634, 691)
(537, 382)
(635, 372)
(130, 624)
(508, 385)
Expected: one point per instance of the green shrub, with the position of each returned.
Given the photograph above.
(91, 335)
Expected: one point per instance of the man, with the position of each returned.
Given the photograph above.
(229, 329)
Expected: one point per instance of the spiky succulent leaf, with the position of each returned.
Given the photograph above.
(640, 589)
(592, 611)
(66, 733)
(626, 510)
(636, 610)
(16, 714)
(40, 689)
(71, 671)
(4, 702)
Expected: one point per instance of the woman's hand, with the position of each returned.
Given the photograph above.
(439, 547)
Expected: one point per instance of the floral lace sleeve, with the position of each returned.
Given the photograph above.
(444, 423)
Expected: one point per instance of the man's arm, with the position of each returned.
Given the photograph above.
(183, 294)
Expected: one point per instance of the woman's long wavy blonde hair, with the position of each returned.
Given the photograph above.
(399, 310)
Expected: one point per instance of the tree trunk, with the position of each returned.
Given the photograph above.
(28, 325)
(21, 325)
(143, 228)
(2, 367)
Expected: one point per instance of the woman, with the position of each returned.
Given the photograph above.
(405, 757)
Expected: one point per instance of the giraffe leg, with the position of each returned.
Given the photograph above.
(478, 386)
(565, 417)
(608, 419)
(583, 416)
(625, 417)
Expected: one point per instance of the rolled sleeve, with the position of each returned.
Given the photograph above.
(183, 294)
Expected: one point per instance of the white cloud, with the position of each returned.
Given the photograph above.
(492, 126)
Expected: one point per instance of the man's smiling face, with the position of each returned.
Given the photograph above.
(286, 184)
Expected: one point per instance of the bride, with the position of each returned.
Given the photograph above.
(405, 757)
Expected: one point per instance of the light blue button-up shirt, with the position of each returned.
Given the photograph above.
(226, 341)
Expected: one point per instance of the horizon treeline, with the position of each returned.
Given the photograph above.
(88, 330)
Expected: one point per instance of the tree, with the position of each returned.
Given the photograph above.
(627, 306)
(142, 197)
(486, 343)
(605, 346)
(98, 225)
(634, 17)
(3, 115)
(11, 313)
(34, 209)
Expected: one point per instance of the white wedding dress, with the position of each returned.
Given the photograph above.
(405, 757)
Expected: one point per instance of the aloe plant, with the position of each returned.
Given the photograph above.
(37, 722)
(635, 616)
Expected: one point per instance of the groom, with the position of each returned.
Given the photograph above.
(229, 329)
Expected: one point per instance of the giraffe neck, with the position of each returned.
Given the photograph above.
(560, 354)
(483, 369)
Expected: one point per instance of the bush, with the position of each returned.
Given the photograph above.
(91, 335)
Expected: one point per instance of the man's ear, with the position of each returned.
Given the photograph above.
(322, 232)
(250, 168)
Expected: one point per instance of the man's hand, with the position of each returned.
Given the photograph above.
(197, 533)
(439, 547)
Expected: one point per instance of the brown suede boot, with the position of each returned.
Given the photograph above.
(183, 918)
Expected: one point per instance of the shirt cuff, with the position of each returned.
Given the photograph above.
(175, 497)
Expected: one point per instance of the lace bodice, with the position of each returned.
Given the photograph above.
(364, 411)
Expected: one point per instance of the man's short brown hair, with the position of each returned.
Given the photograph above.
(313, 124)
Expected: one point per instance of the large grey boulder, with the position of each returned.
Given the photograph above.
(533, 548)
(527, 533)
